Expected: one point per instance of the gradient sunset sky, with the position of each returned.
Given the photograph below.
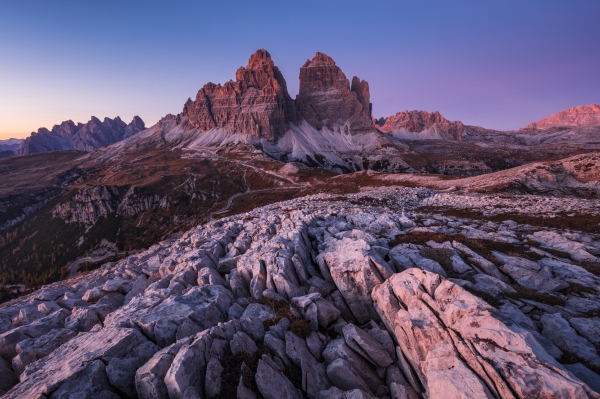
(494, 63)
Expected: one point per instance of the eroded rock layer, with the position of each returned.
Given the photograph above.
(321, 297)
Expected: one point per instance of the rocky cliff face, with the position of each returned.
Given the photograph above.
(325, 297)
(83, 137)
(588, 115)
(91, 203)
(257, 103)
(424, 124)
(326, 98)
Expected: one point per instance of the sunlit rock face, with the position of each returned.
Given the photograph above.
(424, 124)
(257, 103)
(326, 98)
(588, 115)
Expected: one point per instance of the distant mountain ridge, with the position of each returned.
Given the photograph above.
(83, 137)
(8, 146)
(421, 125)
(588, 115)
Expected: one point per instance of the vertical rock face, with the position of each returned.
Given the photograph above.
(361, 88)
(422, 121)
(257, 103)
(588, 115)
(82, 137)
(327, 100)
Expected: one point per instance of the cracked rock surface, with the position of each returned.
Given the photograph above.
(368, 295)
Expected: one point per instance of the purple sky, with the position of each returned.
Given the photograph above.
(497, 64)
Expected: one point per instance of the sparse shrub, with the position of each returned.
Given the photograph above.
(443, 256)
(271, 322)
(294, 374)
(263, 350)
(481, 246)
(577, 289)
(281, 308)
(592, 267)
(538, 296)
(232, 371)
(300, 327)
(580, 221)
(569, 357)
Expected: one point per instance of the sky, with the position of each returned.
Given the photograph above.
(495, 63)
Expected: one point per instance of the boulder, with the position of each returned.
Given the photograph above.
(80, 366)
(348, 263)
(366, 346)
(149, 379)
(209, 276)
(242, 343)
(343, 376)
(82, 320)
(33, 349)
(253, 318)
(186, 376)
(449, 377)
(9, 379)
(164, 321)
(314, 378)
(557, 242)
(212, 386)
(479, 261)
(589, 328)
(10, 339)
(274, 384)
(423, 309)
(316, 310)
(529, 274)
(558, 330)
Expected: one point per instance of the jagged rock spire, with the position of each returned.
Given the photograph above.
(326, 98)
(257, 103)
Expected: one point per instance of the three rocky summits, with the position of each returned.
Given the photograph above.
(356, 286)
(258, 103)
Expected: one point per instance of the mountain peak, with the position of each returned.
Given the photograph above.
(426, 124)
(320, 59)
(257, 103)
(588, 115)
(260, 57)
(83, 136)
(326, 99)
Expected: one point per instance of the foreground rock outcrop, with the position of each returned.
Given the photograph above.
(367, 295)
